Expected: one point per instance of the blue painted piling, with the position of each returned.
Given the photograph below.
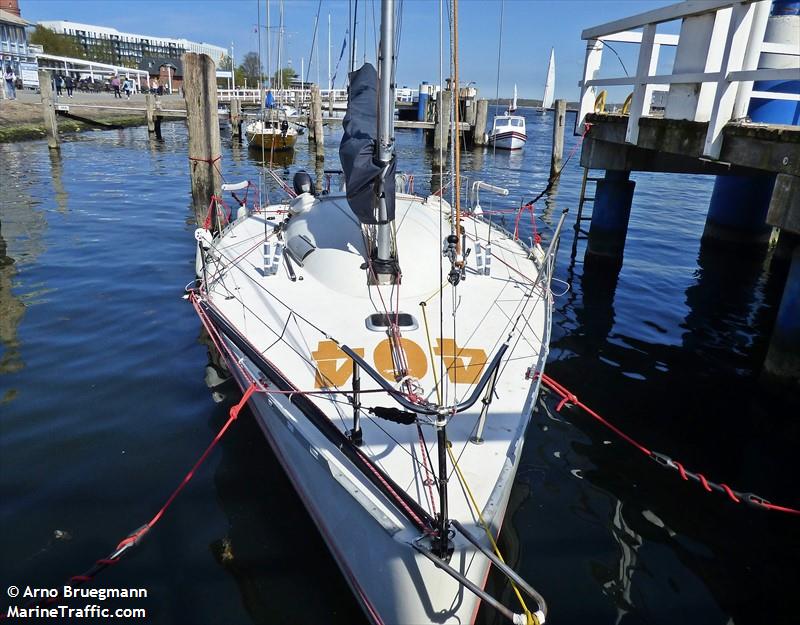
(610, 216)
(739, 204)
(783, 357)
(422, 102)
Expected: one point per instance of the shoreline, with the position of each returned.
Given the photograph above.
(22, 120)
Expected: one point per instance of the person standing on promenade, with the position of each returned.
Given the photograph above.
(9, 78)
(59, 84)
(69, 83)
(115, 86)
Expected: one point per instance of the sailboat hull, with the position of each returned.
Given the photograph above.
(271, 141)
(394, 584)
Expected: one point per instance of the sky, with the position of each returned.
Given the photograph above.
(529, 29)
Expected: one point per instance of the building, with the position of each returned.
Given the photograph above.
(15, 51)
(129, 49)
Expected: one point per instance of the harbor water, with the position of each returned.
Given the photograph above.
(104, 404)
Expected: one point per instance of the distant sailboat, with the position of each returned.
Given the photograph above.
(513, 105)
(550, 83)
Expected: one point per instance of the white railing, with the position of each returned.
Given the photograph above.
(716, 60)
(290, 96)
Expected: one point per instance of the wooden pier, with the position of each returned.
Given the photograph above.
(733, 90)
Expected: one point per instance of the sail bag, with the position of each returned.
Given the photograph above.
(358, 149)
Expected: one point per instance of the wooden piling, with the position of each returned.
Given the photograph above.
(48, 109)
(481, 115)
(200, 95)
(330, 103)
(236, 118)
(150, 104)
(316, 113)
(559, 119)
(441, 133)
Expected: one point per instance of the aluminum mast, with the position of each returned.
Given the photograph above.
(386, 263)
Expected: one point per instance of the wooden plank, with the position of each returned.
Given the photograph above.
(657, 16)
(640, 104)
(630, 36)
(591, 65)
(732, 58)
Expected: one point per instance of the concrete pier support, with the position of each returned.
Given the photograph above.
(783, 358)
(738, 209)
(612, 210)
(739, 205)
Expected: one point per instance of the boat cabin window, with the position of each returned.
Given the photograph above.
(516, 122)
(380, 322)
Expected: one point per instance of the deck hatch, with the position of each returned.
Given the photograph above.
(380, 322)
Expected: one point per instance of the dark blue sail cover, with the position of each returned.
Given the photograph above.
(357, 151)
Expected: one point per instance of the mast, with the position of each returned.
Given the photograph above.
(269, 49)
(330, 85)
(385, 265)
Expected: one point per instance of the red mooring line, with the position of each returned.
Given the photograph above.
(568, 397)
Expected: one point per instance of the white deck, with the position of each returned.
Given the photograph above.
(287, 321)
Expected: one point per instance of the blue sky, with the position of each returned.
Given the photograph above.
(530, 29)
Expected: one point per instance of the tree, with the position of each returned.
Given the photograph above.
(58, 45)
(251, 68)
(282, 78)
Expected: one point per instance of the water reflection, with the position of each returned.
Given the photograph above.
(278, 158)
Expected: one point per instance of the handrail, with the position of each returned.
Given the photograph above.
(720, 57)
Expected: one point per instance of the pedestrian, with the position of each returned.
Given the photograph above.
(127, 87)
(154, 86)
(115, 86)
(69, 83)
(59, 84)
(9, 76)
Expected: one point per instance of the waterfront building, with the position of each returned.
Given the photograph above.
(15, 51)
(129, 49)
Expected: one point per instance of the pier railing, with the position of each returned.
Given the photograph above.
(290, 96)
(716, 60)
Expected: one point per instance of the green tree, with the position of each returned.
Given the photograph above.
(282, 78)
(59, 45)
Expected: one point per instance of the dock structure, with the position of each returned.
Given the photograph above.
(732, 108)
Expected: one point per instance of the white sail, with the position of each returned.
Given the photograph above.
(550, 83)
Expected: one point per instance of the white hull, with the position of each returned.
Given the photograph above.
(362, 516)
(508, 140)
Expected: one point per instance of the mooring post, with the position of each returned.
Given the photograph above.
(330, 102)
(783, 357)
(150, 105)
(481, 115)
(48, 109)
(441, 132)
(559, 121)
(236, 117)
(316, 110)
(200, 95)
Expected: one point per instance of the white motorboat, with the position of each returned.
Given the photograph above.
(508, 132)
(391, 348)
(272, 133)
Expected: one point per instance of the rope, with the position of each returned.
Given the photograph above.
(135, 537)
(529, 615)
(567, 397)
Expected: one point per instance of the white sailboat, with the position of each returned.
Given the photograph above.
(550, 83)
(512, 108)
(391, 348)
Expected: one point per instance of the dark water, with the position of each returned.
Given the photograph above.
(103, 406)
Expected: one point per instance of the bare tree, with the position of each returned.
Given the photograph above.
(251, 67)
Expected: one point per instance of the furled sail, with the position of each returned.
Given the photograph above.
(357, 151)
